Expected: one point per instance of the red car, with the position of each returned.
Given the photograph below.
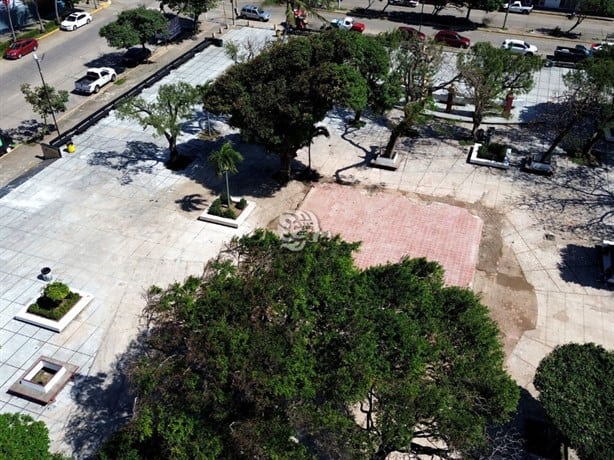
(20, 48)
(452, 38)
(411, 33)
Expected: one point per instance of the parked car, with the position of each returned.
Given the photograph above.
(568, 56)
(411, 33)
(75, 20)
(609, 41)
(20, 48)
(410, 3)
(348, 23)
(519, 47)
(254, 12)
(452, 38)
(135, 56)
(517, 7)
(6, 142)
(94, 79)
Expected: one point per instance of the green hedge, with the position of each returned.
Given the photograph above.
(47, 308)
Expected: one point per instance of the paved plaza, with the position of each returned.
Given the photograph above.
(111, 220)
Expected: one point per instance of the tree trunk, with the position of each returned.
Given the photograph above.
(468, 13)
(285, 167)
(357, 117)
(172, 148)
(57, 14)
(477, 121)
(394, 137)
(8, 12)
(590, 142)
(227, 188)
(545, 158)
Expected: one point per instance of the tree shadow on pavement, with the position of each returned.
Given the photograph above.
(103, 403)
(528, 435)
(137, 158)
(582, 265)
(256, 172)
(577, 199)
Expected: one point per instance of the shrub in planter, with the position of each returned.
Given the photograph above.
(56, 300)
(493, 152)
(217, 208)
(242, 204)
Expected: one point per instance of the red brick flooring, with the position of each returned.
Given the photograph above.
(391, 226)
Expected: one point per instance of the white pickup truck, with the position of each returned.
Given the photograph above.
(95, 79)
(517, 7)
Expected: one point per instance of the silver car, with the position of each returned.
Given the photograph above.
(519, 47)
(254, 12)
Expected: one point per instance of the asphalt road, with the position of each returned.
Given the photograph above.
(66, 55)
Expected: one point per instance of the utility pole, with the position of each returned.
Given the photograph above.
(46, 90)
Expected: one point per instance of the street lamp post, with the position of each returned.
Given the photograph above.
(45, 89)
(421, 14)
(507, 11)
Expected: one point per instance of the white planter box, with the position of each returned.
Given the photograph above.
(473, 158)
(52, 325)
(387, 163)
(234, 223)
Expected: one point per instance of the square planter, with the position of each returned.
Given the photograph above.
(43, 380)
(387, 163)
(473, 158)
(53, 325)
(234, 223)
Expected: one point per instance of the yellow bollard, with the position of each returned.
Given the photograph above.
(71, 148)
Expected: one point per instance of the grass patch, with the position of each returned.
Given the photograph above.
(493, 152)
(120, 81)
(465, 142)
(220, 208)
(56, 300)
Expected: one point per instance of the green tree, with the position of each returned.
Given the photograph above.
(133, 27)
(278, 97)
(490, 73)
(576, 388)
(173, 105)
(192, 8)
(584, 8)
(45, 101)
(589, 96)
(272, 352)
(22, 438)
(225, 161)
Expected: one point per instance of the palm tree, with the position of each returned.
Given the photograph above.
(225, 161)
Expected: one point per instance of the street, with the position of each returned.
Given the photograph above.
(64, 56)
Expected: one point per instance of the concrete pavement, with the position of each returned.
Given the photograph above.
(111, 220)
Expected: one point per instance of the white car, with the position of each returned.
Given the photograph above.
(75, 20)
(519, 47)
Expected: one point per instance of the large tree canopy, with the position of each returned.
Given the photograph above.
(133, 27)
(173, 105)
(278, 97)
(193, 8)
(22, 438)
(491, 72)
(290, 354)
(576, 388)
(588, 102)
